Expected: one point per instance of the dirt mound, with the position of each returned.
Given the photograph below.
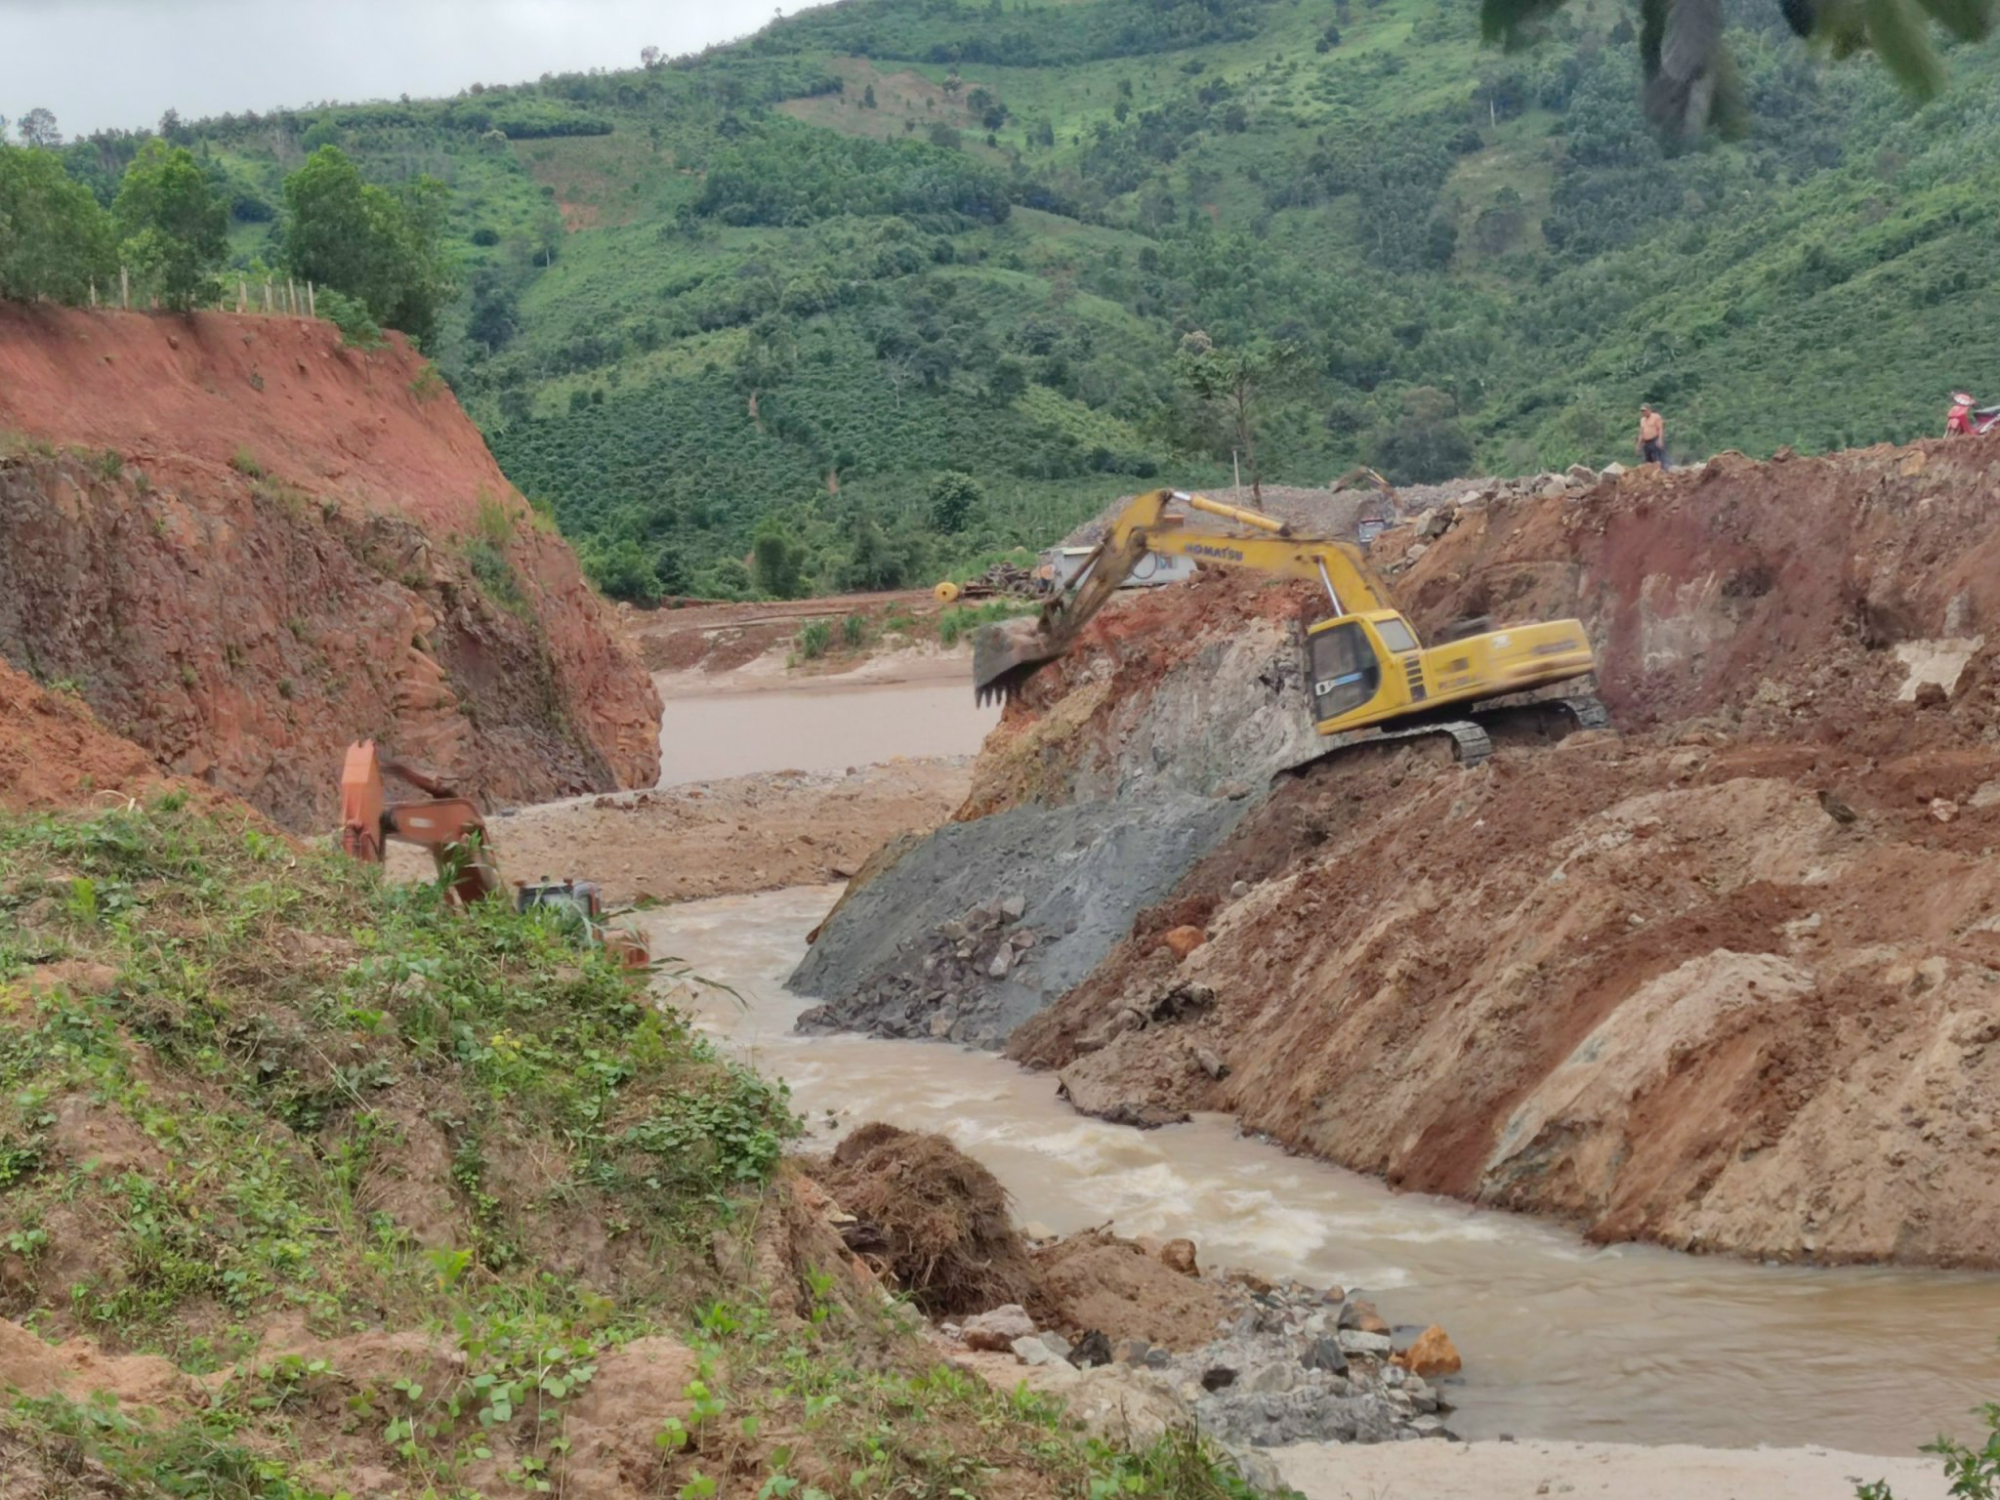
(1726, 978)
(1114, 1286)
(246, 545)
(53, 752)
(936, 1219)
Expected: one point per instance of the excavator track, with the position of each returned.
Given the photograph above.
(1471, 743)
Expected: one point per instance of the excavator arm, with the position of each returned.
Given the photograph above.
(1005, 656)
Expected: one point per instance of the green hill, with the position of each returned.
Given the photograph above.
(791, 282)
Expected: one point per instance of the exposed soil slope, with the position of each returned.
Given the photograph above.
(247, 544)
(54, 753)
(1728, 977)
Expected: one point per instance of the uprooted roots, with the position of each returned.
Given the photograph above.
(935, 1218)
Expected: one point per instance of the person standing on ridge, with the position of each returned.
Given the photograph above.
(1958, 423)
(1652, 437)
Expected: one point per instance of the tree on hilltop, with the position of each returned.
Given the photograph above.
(172, 227)
(54, 236)
(1234, 388)
(38, 128)
(384, 249)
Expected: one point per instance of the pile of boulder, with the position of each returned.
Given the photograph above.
(927, 995)
(1292, 1364)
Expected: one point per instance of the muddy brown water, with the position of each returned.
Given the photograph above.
(1561, 1339)
(709, 736)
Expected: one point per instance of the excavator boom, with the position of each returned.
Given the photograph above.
(1005, 656)
(1369, 676)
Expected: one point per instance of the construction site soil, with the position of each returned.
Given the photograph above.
(1727, 977)
(245, 544)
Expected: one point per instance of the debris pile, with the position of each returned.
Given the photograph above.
(1282, 1364)
(929, 1218)
(1002, 579)
(934, 991)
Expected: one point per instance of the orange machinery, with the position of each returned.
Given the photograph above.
(453, 830)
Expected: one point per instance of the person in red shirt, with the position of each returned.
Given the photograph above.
(1959, 422)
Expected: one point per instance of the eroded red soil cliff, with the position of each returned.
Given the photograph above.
(1727, 976)
(245, 544)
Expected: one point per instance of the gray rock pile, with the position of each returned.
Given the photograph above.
(1295, 1364)
(888, 961)
(938, 989)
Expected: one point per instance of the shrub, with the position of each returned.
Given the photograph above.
(815, 638)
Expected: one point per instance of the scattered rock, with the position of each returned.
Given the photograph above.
(1130, 1351)
(1943, 809)
(1001, 962)
(1324, 1353)
(1432, 1355)
(1091, 1350)
(999, 1328)
(1364, 1343)
(1217, 1377)
(1239, 890)
(1836, 808)
(1036, 1351)
(1181, 941)
(1361, 1317)
(1179, 1255)
(1930, 695)
(1014, 908)
(1210, 1064)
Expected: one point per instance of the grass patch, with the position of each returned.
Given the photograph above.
(815, 637)
(486, 553)
(344, 1076)
(244, 1083)
(244, 462)
(963, 619)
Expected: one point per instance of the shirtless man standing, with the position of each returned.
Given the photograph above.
(1652, 437)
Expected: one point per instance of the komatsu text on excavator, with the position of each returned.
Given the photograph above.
(1369, 677)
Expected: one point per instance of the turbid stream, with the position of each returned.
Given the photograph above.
(1561, 1340)
(818, 726)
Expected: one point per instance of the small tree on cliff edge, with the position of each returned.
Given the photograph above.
(173, 230)
(383, 249)
(54, 238)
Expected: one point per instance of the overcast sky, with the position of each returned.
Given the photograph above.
(122, 63)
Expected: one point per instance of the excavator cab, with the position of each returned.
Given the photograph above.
(1350, 657)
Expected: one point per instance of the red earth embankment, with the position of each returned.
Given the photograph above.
(1726, 977)
(245, 544)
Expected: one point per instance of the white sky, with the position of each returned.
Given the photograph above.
(122, 63)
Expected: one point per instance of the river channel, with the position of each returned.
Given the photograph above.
(1561, 1339)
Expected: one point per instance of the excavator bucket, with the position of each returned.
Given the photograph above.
(1006, 655)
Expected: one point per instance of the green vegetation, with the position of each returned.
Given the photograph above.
(380, 248)
(1974, 1473)
(409, 1180)
(173, 230)
(736, 318)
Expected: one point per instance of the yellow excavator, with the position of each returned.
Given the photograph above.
(1369, 677)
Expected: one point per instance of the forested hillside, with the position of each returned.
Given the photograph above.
(738, 318)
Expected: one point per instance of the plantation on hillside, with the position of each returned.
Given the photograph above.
(787, 285)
